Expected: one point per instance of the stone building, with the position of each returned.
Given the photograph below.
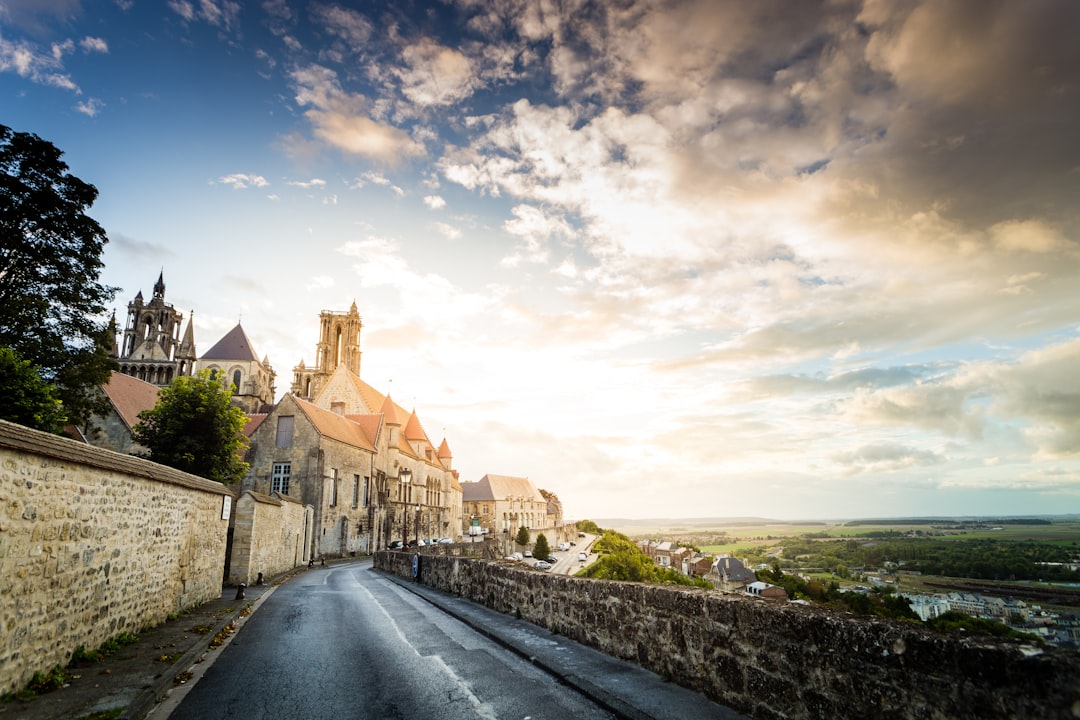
(152, 350)
(502, 504)
(127, 397)
(362, 461)
(234, 360)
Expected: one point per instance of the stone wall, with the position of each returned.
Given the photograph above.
(272, 534)
(769, 659)
(94, 544)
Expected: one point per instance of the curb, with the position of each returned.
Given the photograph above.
(149, 698)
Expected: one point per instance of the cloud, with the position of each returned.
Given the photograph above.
(376, 178)
(242, 181)
(312, 183)
(340, 120)
(535, 229)
(434, 202)
(28, 62)
(434, 75)
(94, 44)
(91, 107)
(886, 458)
(219, 13)
(448, 231)
(347, 25)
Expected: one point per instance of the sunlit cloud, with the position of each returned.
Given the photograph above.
(242, 181)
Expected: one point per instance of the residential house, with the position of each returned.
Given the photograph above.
(766, 590)
(503, 503)
(730, 575)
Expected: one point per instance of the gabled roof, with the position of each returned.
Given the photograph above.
(130, 396)
(337, 427)
(500, 487)
(234, 346)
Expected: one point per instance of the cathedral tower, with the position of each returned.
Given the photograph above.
(152, 350)
(339, 344)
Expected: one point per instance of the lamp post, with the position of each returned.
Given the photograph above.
(405, 476)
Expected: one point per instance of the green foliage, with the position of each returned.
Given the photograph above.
(622, 559)
(588, 526)
(82, 656)
(541, 549)
(878, 603)
(50, 263)
(522, 537)
(25, 398)
(954, 622)
(195, 428)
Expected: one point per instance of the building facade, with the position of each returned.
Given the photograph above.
(234, 361)
(362, 461)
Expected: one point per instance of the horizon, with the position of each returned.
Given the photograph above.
(774, 259)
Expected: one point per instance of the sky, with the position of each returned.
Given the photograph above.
(665, 259)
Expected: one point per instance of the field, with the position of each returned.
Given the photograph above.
(1003, 545)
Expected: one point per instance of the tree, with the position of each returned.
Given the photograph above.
(522, 537)
(50, 263)
(24, 397)
(541, 549)
(194, 427)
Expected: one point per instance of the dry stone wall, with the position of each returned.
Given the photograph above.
(272, 534)
(773, 660)
(94, 544)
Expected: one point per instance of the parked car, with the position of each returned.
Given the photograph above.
(515, 556)
(528, 553)
(582, 557)
(553, 559)
(394, 545)
(542, 565)
(445, 541)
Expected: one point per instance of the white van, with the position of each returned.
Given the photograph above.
(582, 557)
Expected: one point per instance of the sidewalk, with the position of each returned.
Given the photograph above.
(130, 682)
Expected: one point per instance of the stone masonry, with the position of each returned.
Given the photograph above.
(272, 535)
(94, 544)
(769, 659)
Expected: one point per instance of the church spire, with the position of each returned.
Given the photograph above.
(159, 286)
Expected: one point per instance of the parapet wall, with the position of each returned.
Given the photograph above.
(94, 544)
(773, 660)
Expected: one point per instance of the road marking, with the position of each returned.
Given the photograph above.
(482, 709)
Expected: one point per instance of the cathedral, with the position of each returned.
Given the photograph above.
(153, 351)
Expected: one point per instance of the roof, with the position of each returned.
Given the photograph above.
(337, 427)
(500, 487)
(130, 396)
(234, 346)
(252, 423)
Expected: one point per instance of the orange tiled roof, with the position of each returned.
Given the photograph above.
(130, 396)
(330, 424)
(444, 451)
(252, 422)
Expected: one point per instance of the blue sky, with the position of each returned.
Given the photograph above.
(683, 259)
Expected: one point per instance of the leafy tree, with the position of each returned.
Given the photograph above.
(50, 263)
(541, 549)
(24, 397)
(589, 526)
(522, 537)
(195, 428)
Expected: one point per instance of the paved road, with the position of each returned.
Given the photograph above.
(344, 642)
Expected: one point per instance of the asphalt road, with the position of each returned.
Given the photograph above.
(344, 642)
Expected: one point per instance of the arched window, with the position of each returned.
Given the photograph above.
(236, 380)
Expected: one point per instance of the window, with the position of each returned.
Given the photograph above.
(333, 487)
(284, 431)
(364, 499)
(355, 490)
(279, 478)
(236, 381)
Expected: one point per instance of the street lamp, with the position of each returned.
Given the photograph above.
(405, 476)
